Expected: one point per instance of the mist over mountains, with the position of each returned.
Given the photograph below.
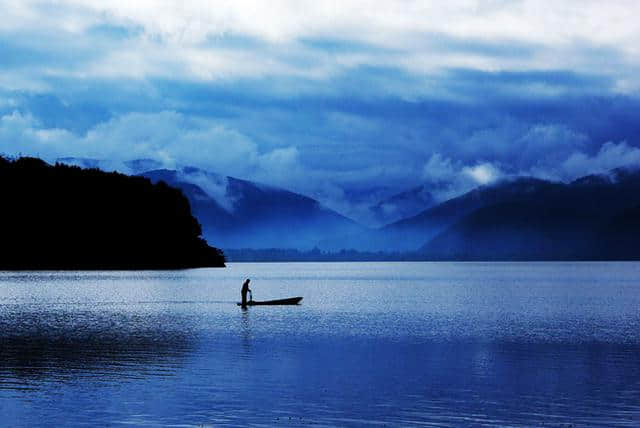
(594, 217)
(237, 213)
(402, 205)
(522, 218)
(410, 234)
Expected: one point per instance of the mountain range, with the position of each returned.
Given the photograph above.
(594, 217)
(237, 213)
(409, 234)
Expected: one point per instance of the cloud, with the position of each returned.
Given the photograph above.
(482, 173)
(214, 185)
(611, 155)
(446, 178)
(390, 23)
(318, 40)
(549, 142)
(439, 170)
(168, 137)
(22, 134)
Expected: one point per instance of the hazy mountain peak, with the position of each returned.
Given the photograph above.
(140, 165)
(402, 205)
(237, 213)
(617, 175)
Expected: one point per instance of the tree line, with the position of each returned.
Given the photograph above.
(65, 217)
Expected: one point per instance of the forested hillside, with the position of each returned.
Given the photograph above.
(65, 217)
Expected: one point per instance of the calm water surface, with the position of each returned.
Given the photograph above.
(444, 344)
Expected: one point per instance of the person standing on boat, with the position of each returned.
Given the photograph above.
(244, 291)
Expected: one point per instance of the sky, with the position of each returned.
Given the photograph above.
(344, 101)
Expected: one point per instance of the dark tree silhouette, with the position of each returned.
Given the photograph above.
(65, 217)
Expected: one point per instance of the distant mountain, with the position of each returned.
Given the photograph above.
(237, 213)
(65, 217)
(141, 165)
(417, 230)
(402, 205)
(412, 233)
(595, 217)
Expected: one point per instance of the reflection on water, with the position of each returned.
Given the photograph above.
(447, 344)
(42, 345)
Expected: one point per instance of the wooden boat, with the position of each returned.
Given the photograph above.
(289, 301)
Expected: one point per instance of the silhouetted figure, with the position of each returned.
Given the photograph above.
(244, 291)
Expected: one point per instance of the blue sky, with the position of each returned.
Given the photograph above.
(344, 101)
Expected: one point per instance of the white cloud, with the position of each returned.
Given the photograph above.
(610, 155)
(179, 38)
(214, 185)
(482, 173)
(446, 178)
(393, 22)
(168, 137)
(22, 134)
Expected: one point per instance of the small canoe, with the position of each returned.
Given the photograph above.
(289, 301)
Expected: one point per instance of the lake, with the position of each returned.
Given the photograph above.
(396, 344)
